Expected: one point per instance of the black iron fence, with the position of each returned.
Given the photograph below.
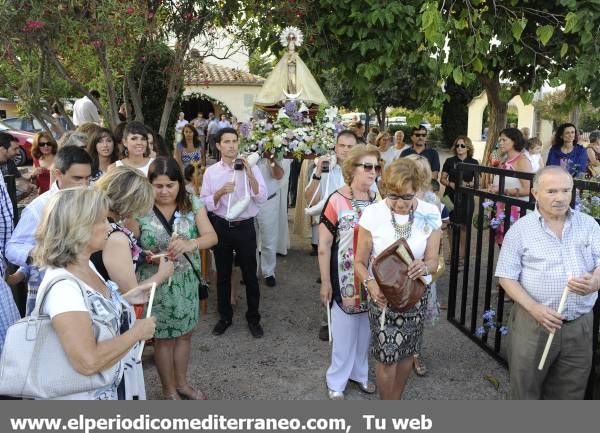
(473, 289)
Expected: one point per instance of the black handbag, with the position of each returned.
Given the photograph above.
(202, 287)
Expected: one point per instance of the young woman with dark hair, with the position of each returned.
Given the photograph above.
(178, 225)
(135, 147)
(189, 149)
(102, 149)
(566, 152)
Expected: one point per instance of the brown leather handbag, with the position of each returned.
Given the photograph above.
(390, 269)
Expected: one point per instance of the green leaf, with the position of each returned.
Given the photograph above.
(413, 119)
(460, 24)
(570, 22)
(527, 97)
(457, 75)
(563, 49)
(477, 65)
(517, 28)
(493, 380)
(544, 33)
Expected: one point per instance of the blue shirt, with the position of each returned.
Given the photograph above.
(22, 242)
(575, 162)
(534, 256)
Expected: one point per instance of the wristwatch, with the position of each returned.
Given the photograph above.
(366, 280)
(315, 177)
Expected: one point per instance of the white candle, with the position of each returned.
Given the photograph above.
(329, 322)
(561, 306)
(148, 314)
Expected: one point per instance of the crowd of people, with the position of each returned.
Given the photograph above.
(116, 214)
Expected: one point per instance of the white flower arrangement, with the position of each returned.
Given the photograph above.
(293, 133)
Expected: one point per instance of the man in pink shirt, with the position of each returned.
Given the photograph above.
(227, 183)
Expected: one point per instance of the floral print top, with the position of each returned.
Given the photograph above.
(340, 217)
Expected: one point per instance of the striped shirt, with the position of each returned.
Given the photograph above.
(534, 256)
(6, 223)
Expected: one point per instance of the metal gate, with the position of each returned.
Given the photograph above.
(473, 290)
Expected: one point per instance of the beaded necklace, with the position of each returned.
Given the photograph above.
(355, 205)
(403, 231)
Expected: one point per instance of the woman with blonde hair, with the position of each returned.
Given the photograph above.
(401, 335)
(384, 144)
(73, 226)
(130, 196)
(340, 290)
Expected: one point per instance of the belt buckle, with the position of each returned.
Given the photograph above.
(231, 224)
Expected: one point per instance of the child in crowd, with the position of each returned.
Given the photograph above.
(533, 152)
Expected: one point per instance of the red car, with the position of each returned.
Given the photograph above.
(25, 140)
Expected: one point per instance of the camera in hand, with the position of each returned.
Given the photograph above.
(325, 167)
(238, 164)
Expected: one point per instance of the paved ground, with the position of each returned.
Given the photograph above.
(290, 361)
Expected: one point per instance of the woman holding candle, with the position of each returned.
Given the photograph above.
(179, 226)
(73, 226)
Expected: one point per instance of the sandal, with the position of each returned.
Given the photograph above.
(173, 396)
(419, 365)
(367, 387)
(195, 395)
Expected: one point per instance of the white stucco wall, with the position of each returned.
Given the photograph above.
(239, 99)
(475, 124)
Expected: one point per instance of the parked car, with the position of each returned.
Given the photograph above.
(396, 120)
(28, 124)
(25, 141)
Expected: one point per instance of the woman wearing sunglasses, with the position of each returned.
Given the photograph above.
(43, 149)
(340, 289)
(400, 215)
(461, 216)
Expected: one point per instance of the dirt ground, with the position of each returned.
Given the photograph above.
(289, 362)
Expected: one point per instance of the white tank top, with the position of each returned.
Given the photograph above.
(143, 169)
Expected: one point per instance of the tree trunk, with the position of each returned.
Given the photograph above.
(380, 112)
(136, 98)
(111, 96)
(498, 113)
(575, 115)
(174, 84)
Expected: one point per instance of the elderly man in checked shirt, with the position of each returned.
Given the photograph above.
(543, 252)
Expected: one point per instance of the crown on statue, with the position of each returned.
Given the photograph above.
(291, 33)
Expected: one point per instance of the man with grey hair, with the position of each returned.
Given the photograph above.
(545, 251)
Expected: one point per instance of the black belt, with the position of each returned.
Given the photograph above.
(233, 224)
(271, 196)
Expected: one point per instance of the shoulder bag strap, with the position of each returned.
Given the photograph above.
(169, 230)
(39, 305)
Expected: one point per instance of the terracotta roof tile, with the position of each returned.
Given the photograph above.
(201, 73)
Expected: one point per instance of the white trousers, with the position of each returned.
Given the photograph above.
(267, 222)
(350, 351)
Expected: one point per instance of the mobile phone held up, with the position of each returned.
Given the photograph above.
(238, 164)
(325, 167)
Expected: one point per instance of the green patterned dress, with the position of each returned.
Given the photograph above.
(175, 305)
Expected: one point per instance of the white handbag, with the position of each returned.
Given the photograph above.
(34, 364)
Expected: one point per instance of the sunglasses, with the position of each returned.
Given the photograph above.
(461, 146)
(405, 197)
(424, 134)
(368, 166)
